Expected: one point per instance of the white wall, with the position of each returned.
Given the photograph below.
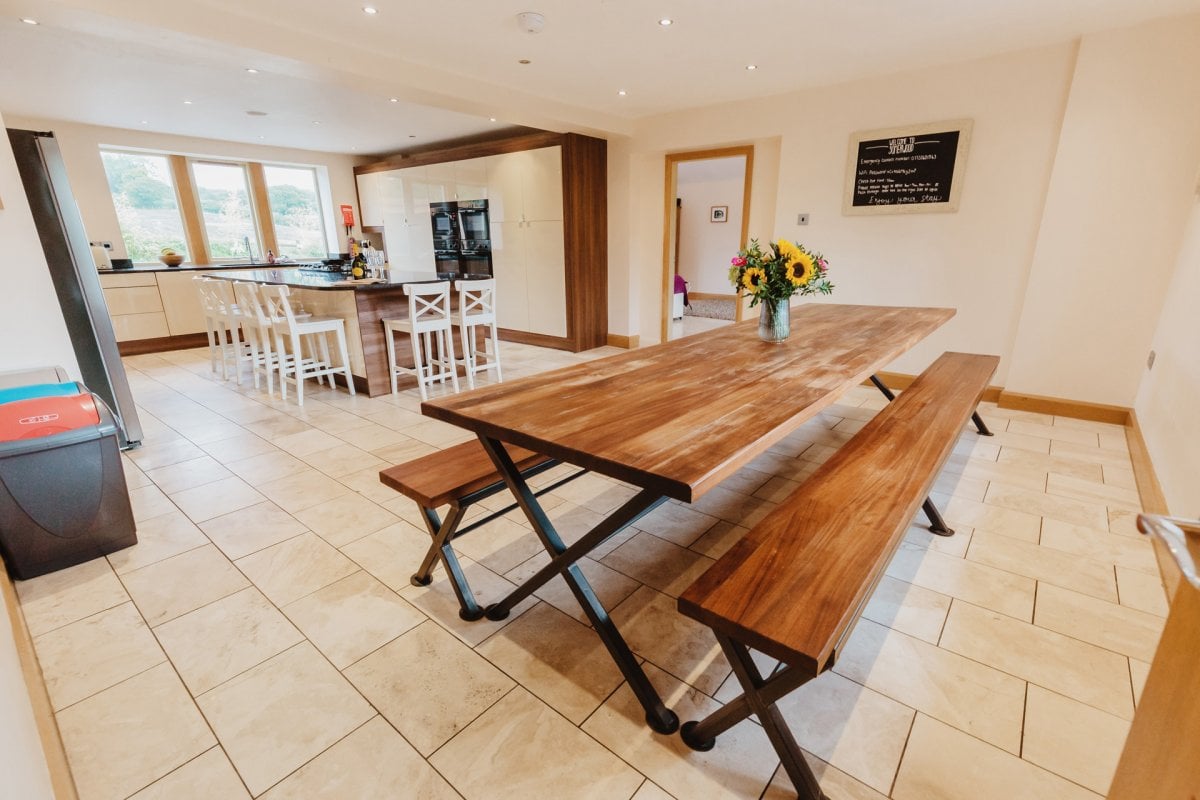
(81, 150)
(705, 247)
(1116, 211)
(1168, 400)
(32, 333)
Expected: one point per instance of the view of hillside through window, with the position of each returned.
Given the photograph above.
(147, 209)
(224, 195)
(296, 211)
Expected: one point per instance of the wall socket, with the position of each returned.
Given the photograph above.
(1150, 360)
(802, 219)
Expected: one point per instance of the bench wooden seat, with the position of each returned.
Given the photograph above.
(458, 477)
(794, 586)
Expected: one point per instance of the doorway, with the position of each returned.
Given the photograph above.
(706, 221)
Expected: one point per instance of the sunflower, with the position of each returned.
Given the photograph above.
(801, 269)
(787, 251)
(753, 278)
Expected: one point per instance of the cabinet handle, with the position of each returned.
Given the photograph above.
(1175, 533)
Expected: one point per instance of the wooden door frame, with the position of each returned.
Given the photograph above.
(671, 161)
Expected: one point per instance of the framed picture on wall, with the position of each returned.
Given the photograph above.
(915, 169)
(718, 214)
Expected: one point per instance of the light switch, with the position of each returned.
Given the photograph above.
(802, 219)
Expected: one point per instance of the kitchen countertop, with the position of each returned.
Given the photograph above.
(180, 268)
(393, 279)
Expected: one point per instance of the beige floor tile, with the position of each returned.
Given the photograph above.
(595, 492)
(438, 434)
(439, 603)
(655, 630)
(132, 734)
(187, 474)
(1088, 424)
(206, 777)
(735, 507)
(303, 490)
(266, 467)
(149, 502)
(959, 511)
(370, 436)
(1099, 545)
(238, 448)
(278, 715)
(1041, 504)
(183, 583)
(223, 639)
(346, 519)
(160, 453)
(352, 617)
(562, 662)
(1061, 465)
(961, 486)
(216, 498)
(134, 477)
(776, 490)
(967, 580)
(305, 442)
(372, 763)
(391, 554)
(1120, 476)
(402, 451)
(977, 448)
(248, 530)
(1114, 627)
(918, 534)
(1142, 591)
(500, 545)
(428, 706)
(659, 564)
(58, 598)
(941, 763)
(504, 754)
(1091, 455)
(1060, 663)
(677, 523)
(1138, 672)
(276, 426)
(996, 471)
(610, 586)
(343, 459)
(290, 570)
(1072, 739)
(97, 652)
(717, 540)
(1058, 433)
(739, 766)
(835, 784)
(157, 538)
(1093, 492)
(1123, 522)
(972, 697)
(1044, 564)
(650, 791)
(909, 609)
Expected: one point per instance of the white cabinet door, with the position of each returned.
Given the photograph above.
(541, 184)
(396, 245)
(508, 266)
(416, 193)
(370, 210)
(420, 246)
(391, 198)
(470, 179)
(545, 274)
(181, 302)
(504, 186)
(441, 181)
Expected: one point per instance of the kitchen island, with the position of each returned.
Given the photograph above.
(362, 307)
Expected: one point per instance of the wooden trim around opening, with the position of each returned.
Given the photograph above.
(43, 712)
(711, 296)
(669, 196)
(1077, 409)
(1154, 501)
(189, 208)
(262, 207)
(627, 342)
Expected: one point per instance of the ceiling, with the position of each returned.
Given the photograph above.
(452, 65)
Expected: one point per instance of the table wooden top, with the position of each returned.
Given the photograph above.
(682, 416)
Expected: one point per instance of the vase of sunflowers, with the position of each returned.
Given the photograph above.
(772, 274)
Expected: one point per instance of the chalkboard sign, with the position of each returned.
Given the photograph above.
(906, 170)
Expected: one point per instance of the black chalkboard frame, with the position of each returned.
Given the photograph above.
(962, 126)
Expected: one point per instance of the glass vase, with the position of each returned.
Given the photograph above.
(775, 320)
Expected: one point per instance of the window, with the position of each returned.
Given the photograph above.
(296, 211)
(224, 195)
(147, 207)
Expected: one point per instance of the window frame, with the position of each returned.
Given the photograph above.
(180, 204)
(323, 202)
(252, 199)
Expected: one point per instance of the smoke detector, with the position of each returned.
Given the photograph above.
(531, 21)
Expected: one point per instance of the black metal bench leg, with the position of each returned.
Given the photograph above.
(468, 608)
(980, 425)
(658, 716)
(754, 700)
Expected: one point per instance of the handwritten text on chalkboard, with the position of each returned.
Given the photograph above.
(907, 167)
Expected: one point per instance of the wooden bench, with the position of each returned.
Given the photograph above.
(459, 477)
(795, 585)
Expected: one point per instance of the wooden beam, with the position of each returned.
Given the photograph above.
(261, 200)
(189, 208)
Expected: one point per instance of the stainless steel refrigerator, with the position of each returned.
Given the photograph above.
(73, 270)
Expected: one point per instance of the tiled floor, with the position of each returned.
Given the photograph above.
(263, 638)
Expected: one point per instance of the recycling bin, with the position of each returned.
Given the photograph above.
(63, 499)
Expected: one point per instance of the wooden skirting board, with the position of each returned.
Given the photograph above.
(43, 713)
(1077, 409)
(161, 344)
(711, 296)
(627, 342)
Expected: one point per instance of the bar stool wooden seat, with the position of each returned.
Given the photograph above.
(477, 310)
(292, 331)
(428, 322)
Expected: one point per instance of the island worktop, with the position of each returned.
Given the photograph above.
(324, 281)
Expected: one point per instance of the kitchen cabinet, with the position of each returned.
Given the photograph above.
(526, 185)
(135, 306)
(470, 179)
(180, 302)
(370, 208)
(508, 267)
(546, 277)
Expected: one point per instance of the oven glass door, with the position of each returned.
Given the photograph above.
(474, 224)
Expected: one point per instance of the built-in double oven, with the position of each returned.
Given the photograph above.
(462, 241)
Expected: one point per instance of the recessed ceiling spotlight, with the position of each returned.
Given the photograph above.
(752, 66)
(256, 113)
(666, 23)
(187, 102)
(412, 136)
(491, 119)
(145, 122)
(316, 122)
(262, 137)
(252, 70)
(29, 21)
(370, 11)
(531, 21)
(622, 92)
(524, 61)
(394, 99)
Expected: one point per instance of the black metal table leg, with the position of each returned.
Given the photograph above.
(980, 425)
(658, 716)
(468, 608)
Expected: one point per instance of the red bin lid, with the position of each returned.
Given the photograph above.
(46, 416)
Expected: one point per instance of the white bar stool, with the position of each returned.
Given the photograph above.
(230, 316)
(477, 309)
(212, 319)
(292, 330)
(428, 319)
(259, 330)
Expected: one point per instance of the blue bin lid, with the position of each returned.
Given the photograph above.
(38, 390)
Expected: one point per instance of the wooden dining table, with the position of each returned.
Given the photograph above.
(673, 420)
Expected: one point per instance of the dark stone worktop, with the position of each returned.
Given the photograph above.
(297, 279)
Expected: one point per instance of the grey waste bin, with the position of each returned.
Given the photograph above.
(63, 499)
